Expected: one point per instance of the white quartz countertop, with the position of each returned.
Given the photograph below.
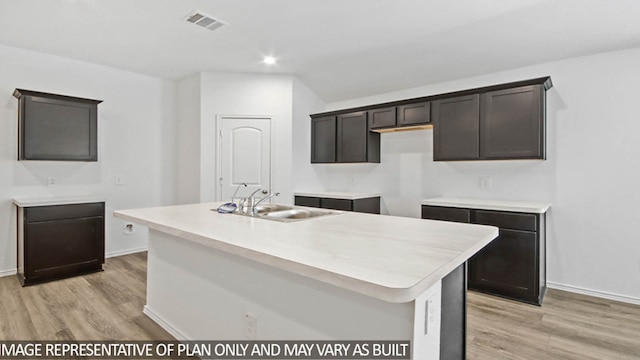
(394, 259)
(484, 204)
(337, 194)
(55, 200)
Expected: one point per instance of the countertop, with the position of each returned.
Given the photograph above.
(56, 200)
(394, 259)
(484, 204)
(337, 194)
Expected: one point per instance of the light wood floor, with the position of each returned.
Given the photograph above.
(108, 306)
(566, 326)
(100, 306)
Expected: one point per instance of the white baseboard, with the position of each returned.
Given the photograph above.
(10, 272)
(594, 293)
(125, 252)
(163, 324)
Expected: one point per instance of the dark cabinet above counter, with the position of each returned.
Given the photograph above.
(498, 122)
(344, 138)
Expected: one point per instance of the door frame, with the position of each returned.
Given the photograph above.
(219, 118)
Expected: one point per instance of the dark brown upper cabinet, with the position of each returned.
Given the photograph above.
(414, 114)
(344, 139)
(497, 122)
(323, 139)
(382, 118)
(401, 116)
(505, 124)
(512, 124)
(56, 127)
(456, 127)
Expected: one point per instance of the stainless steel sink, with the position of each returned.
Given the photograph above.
(288, 213)
(267, 208)
(296, 214)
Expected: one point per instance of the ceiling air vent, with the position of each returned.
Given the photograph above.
(203, 20)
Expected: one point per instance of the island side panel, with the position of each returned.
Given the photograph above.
(199, 293)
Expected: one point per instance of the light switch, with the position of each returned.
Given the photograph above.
(119, 180)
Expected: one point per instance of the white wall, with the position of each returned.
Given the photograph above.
(136, 126)
(591, 175)
(305, 102)
(247, 94)
(188, 146)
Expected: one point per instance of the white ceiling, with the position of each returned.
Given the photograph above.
(340, 48)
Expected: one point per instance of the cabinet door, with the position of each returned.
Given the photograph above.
(61, 248)
(381, 118)
(414, 114)
(507, 266)
(352, 137)
(456, 128)
(323, 139)
(512, 124)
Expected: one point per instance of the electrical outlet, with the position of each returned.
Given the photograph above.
(52, 181)
(251, 326)
(485, 182)
(118, 180)
(430, 314)
(128, 229)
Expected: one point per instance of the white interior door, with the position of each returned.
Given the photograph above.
(244, 155)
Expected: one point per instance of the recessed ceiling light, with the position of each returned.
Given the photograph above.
(269, 60)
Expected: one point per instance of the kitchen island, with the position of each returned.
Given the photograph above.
(345, 276)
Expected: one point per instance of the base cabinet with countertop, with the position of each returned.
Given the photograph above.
(57, 241)
(358, 202)
(514, 264)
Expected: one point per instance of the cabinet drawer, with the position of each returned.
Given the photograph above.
(59, 212)
(445, 213)
(504, 220)
(307, 201)
(336, 204)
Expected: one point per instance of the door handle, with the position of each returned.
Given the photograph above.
(265, 192)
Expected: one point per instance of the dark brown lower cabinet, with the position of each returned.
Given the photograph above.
(366, 205)
(453, 315)
(513, 265)
(59, 241)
